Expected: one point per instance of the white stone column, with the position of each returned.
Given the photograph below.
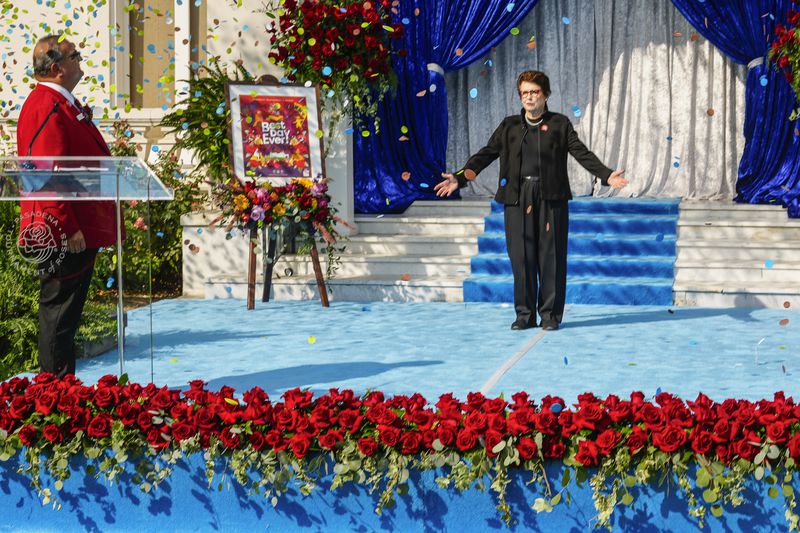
(339, 170)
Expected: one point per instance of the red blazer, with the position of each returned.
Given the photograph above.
(64, 135)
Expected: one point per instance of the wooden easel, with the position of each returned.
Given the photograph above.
(269, 262)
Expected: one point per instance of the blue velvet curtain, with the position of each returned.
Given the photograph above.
(743, 30)
(441, 35)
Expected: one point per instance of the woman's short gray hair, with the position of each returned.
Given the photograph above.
(46, 55)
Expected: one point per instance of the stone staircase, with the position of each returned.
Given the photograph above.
(422, 255)
(737, 255)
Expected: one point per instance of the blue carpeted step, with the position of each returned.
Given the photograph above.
(581, 265)
(608, 224)
(594, 244)
(621, 251)
(631, 206)
(616, 291)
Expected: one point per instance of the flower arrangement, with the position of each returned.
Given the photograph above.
(375, 441)
(302, 205)
(785, 54)
(343, 46)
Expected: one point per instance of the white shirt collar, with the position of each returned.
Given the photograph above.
(68, 95)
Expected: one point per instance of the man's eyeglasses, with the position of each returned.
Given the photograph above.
(534, 92)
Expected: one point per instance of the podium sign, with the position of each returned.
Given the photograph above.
(56, 191)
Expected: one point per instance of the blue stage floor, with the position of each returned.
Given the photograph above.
(435, 348)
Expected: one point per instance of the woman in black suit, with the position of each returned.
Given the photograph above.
(534, 188)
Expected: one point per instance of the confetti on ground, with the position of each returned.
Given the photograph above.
(710, 112)
(312, 339)
(784, 322)
(173, 360)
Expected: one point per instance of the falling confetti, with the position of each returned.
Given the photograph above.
(403, 138)
(547, 227)
(173, 360)
(576, 110)
(556, 408)
(514, 31)
(660, 237)
(565, 20)
(503, 182)
(768, 263)
(228, 290)
(566, 361)
(199, 231)
(677, 34)
(405, 277)
(406, 175)
(784, 322)
(529, 210)
(676, 164)
(459, 52)
(422, 93)
(312, 339)
(532, 42)
(786, 305)
(432, 88)
(764, 81)
(109, 283)
(695, 37)
(473, 93)
(710, 112)
(510, 7)
(424, 185)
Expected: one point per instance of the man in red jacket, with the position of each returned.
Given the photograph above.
(53, 123)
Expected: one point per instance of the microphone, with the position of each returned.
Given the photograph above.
(35, 135)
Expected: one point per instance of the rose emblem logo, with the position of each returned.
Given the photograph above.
(37, 242)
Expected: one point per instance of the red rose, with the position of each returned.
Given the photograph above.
(390, 436)
(275, 440)
(300, 444)
(257, 440)
(724, 453)
(446, 435)
(492, 439)
(46, 402)
(794, 447)
(546, 422)
(367, 446)
(651, 415)
(569, 423)
(205, 418)
(127, 413)
(321, 417)
(723, 431)
(701, 441)
(466, 440)
(778, 432)
(297, 399)
(670, 439)
(161, 400)
(351, 420)
(410, 442)
(554, 448)
(105, 397)
(519, 421)
(622, 412)
(284, 419)
(144, 420)
(157, 438)
(527, 448)
(588, 453)
(27, 434)
(53, 433)
(79, 419)
(422, 418)
(331, 438)
(677, 414)
(475, 422)
(19, 408)
(100, 426)
(182, 431)
(229, 438)
(607, 440)
(6, 422)
(745, 449)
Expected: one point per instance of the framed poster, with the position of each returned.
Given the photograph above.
(273, 132)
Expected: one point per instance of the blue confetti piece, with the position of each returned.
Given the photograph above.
(658, 391)
(576, 110)
(365, 309)
(198, 94)
(326, 71)
(566, 361)
(331, 93)
(198, 3)
(503, 182)
(660, 237)
(510, 7)
(669, 138)
(245, 27)
(199, 231)
(228, 290)
(473, 93)
(185, 125)
(768, 263)
(424, 185)
(405, 21)
(160, 234)
(489, 63)
(556, 408)
(676, 164)
(109, 283)
(348, 131)
(764, 81)
(151, 48)
(565, 20)
(155, 148)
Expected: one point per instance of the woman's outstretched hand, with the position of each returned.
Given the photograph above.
(446, 187)
(616, 180)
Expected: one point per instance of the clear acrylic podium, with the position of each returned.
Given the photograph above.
(47, 185)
